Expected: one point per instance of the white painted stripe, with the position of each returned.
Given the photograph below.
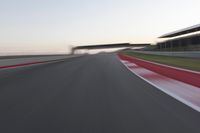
(142, 71)
(124, 61)
(131, 64)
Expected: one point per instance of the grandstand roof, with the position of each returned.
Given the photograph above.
(188, 30)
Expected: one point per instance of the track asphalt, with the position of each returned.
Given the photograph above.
(88, 94)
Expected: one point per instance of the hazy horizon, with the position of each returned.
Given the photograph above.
(53, 26)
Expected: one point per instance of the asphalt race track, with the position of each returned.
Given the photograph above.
(88, 94)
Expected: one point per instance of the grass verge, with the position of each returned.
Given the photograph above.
(186, 63)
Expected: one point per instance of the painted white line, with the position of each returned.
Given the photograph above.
(143, 71)
(131, 64)
(124, 61)
(185, 93)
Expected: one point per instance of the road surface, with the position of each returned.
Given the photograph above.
(88, 94)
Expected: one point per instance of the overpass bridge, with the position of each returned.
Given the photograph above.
(108, 46)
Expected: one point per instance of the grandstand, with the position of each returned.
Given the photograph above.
(181, 40)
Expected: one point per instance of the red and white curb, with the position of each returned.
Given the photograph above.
(29, 64)
(183, 92)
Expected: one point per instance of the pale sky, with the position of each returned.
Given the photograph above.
(52, 26)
